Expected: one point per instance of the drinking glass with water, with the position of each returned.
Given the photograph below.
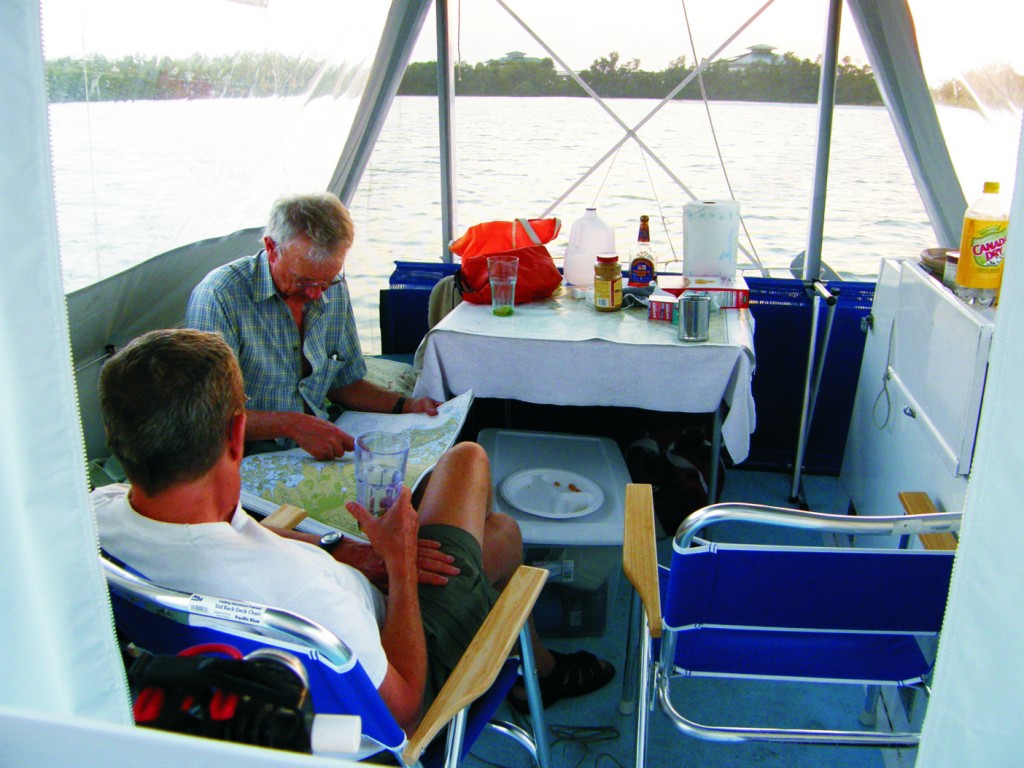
(502, 271)
(381, 459)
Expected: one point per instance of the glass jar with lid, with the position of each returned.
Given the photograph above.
(607, 283)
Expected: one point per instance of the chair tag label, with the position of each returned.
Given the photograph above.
(234, 610)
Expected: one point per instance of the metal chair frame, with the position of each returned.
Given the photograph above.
(338, 683)
(651, 675)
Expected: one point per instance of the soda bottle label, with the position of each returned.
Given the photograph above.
(981, 254)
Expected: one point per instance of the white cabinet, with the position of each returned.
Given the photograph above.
(919, 394)
(939, 359)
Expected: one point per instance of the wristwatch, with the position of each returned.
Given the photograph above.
(328, 540)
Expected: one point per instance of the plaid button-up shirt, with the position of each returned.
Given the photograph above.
(239, 301)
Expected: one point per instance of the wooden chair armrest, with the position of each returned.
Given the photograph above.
(285, 517)
(918, 503)
(639, 553)
(479, 666)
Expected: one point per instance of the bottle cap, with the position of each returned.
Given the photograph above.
(991, 187)
(608, 258)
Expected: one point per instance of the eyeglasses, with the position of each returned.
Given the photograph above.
(305, 284)
(312, 285)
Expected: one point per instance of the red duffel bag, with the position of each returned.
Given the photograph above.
(538, 277)
(499, 236)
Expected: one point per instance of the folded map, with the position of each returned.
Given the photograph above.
(322, 488)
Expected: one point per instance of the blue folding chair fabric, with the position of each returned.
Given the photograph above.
(167, 621)
(815, 614)
(724, 601)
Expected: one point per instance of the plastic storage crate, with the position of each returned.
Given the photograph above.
(583, 554)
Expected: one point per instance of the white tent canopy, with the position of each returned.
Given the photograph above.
(63, 697)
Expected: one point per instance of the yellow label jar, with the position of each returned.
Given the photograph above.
(607, 283)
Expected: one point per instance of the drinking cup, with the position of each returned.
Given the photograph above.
(502, 271)
(380, 469)
(694, 317)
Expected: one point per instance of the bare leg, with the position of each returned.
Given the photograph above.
(503, 548)
(459, 493)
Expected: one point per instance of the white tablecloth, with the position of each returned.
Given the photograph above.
(563, 352)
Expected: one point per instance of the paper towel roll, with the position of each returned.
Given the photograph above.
(336, 734)
(710, 238)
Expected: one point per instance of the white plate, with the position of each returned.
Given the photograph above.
(555, 493)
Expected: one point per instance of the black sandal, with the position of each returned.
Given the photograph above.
(574, 674)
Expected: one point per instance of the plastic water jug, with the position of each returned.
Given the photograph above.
(589, 237)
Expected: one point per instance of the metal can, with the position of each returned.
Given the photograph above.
(694, 317)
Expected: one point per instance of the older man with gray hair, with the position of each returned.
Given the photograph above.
(287, 314)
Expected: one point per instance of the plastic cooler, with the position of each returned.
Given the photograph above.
(582, 554)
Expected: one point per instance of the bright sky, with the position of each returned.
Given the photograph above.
(653, 31)
(579, 31)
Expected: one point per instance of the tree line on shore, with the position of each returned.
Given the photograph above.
(791, 79)
(249, 75)
(242, 75)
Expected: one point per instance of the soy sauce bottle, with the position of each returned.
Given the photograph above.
(642, 261)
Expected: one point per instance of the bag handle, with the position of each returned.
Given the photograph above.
(528, 229)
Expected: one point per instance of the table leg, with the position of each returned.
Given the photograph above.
(716, 452)
(627, 703)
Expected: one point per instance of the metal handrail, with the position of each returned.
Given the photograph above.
(896, 525)
(735, 734)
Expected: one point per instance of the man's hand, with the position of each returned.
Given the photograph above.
(363, 395)
(425, 405)
(320, 438)
(393, 536)
(434, 565)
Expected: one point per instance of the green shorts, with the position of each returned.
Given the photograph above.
(453, 613)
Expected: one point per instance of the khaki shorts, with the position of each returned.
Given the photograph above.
(453, 613)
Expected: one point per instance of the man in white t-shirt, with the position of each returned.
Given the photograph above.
(174, 409)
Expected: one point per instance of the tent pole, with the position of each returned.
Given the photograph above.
(812, 260)
(445, 103)
(826, 107)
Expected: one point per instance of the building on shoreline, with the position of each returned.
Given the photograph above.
(756, 54)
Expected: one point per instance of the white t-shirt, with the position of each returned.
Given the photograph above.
(242, 560)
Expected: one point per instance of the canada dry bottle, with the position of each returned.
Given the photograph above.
(642, 261)
(980, 268)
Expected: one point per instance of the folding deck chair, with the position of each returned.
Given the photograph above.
(811, 614)
(166, 621)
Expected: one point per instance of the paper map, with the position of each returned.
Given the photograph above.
(322, 488)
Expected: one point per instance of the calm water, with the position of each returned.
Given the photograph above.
(208, 171)
(518, 156)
